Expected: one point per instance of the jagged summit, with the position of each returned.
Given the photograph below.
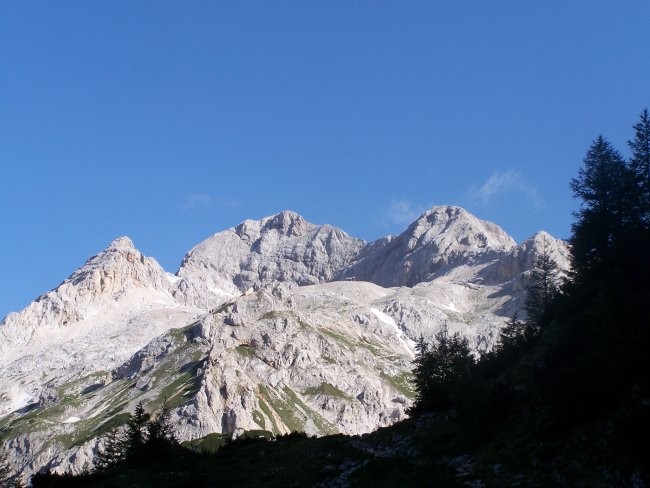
(121, 243)
(460, 225)
(441, 237)
(540, 243)
(288, 223)
(281, 247)
(104, 280)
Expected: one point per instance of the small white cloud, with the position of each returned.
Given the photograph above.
(403, 212)
(500, 183)
(196, 200)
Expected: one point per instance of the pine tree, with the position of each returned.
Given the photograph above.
(640, 164)
(160, 432)
(421, 374)
(601, 184)
(441, 372)
(542, 289)
(135, 436)
(514, 334)
(111, 451)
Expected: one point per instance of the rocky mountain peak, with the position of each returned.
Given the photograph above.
(104, 280)
(543, 242)
(281, 247)
(287, 223)
(452, 228)
(441, 237)
(121, 243)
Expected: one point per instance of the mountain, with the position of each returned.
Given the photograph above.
(276, 325)
(441, 238)
(119, 280)
(283, 247)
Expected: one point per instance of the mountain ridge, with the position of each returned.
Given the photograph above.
(266, 325)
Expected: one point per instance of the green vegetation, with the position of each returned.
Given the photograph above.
(402, 382)
(258, 417)
(182, 334)
(347, 341)
(352, 343)
(291, 410)
(246, 350)
(285, 407)
(208, 444)
(329, 390)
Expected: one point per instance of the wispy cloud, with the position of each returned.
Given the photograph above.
(196, 200)
(500, 183)
(403, 212)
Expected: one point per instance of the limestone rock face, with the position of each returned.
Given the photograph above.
(276, 324)
(441, 238)
(119, 276)
(300, 359)
(284, 247)
(522, 258)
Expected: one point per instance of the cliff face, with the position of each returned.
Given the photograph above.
(440, 239)
(254, 332)
(284, 247)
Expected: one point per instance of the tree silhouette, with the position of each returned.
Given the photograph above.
(135, 437)
(640, 164)
(111, 451)
(542, 289)
(600, 185)
(514, 334)
(160, 432)
(442, 372)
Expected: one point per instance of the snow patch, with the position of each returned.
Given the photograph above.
(71, 420)
(408, 344)
(451, 307)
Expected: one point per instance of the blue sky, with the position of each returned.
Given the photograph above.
(169, 121)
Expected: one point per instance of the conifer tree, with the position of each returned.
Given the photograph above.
(441, 372)
(542, 289)
(111, 452)
(135, 436)
(421, 374)
(640, 164)
(600, 185)
(160, 432)
(513, 334)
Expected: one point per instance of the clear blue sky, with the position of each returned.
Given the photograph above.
(169, 121)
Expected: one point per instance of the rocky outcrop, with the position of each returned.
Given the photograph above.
(521, 258)
(441, 238)
(295, 361)
(283, 247)
(112, 277)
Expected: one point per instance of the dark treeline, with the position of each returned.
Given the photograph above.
(570, 382)
(145, 440)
